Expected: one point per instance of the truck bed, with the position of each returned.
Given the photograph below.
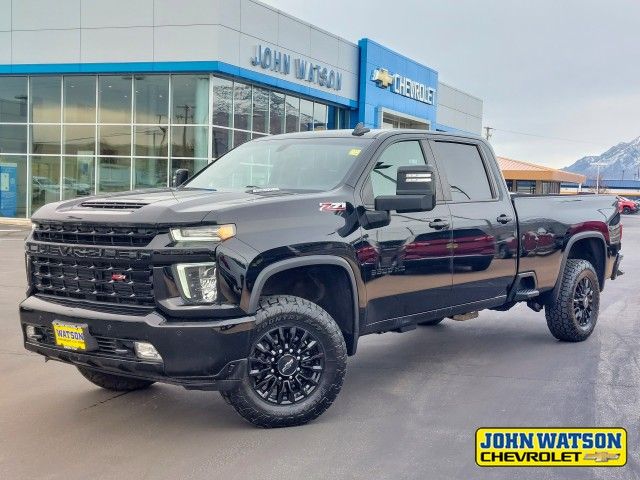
(547, 222)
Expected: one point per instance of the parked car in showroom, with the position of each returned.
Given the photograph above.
(257, 276)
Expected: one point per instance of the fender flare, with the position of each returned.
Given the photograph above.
(565, 256)
(306, 261)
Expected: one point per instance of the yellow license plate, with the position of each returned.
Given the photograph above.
(70, 335)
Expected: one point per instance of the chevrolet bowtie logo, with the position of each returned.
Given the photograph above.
(382, 77)
(601, 457)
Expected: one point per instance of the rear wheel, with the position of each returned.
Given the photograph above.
(573, 315)
(428, 323)
(115, 383)
(626, 210)
(296, 364)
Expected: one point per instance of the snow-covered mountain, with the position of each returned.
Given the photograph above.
(620, 160)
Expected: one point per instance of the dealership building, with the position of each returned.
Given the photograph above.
(104, 96)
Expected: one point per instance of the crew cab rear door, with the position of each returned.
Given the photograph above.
(484, 224)
(407, 263)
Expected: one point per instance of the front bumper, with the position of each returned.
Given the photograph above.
(204, 355)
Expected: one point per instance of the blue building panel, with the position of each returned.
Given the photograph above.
(391, 81)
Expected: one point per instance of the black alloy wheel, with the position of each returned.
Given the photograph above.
(295, 364)
(583, 302)
(572, 313)
(285, 365)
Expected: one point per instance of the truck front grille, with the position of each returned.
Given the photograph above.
(86, 234)
(121, 281)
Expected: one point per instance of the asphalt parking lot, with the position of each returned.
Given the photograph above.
(409, 407)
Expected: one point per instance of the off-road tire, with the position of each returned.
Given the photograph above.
(430, 323)
(560, 314)
(115, 383)
(225, 397)
(287, 311)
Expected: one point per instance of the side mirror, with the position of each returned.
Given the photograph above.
(179, 177)
(415, 191)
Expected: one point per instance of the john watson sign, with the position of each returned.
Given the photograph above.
(277, 61)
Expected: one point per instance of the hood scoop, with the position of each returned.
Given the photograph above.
(113, 205)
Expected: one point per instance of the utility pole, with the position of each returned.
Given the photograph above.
(598, 164)
(487, 132)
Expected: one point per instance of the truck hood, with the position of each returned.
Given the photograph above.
(151, 207)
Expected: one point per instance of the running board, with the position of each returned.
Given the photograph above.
(525, 294)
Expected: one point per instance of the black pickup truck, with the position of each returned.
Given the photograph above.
(257, 276)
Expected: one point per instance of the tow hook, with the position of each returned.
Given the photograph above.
(534, 305)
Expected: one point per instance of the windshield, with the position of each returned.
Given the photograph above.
(308, 164)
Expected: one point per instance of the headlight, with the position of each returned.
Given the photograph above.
(204, 233)
(197, 282)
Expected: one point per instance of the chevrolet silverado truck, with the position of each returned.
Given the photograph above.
(257, 276)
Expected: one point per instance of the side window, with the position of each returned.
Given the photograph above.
(383, 176)
(465, 171)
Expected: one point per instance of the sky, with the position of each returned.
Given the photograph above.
(564, 72)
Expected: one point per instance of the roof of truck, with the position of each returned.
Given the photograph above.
(373, 133)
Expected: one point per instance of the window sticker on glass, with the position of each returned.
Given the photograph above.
(354, 152)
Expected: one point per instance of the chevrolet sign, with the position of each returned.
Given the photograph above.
(404, 86)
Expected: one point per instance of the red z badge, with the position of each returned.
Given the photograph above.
(332, 206)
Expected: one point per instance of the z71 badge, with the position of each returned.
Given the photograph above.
(333, 206)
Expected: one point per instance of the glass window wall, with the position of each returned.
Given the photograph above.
(190, 99)
(115, 140)
(150, 172)
(80, 99)
(151, 140)
(46, 97)
(13, 99)
(13, 186)
(45, 139)
(45, 181)
(79, 176)
(13, 138)
(114, 98)
(114, 174)
(78, 135)
(151, 99)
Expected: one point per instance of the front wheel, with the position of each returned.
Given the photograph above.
(572, 316)
(626, 210)
(296, 364)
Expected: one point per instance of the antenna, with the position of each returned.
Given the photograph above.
(360, 130)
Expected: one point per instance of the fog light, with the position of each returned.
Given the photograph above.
(146, 351)
(32, 333)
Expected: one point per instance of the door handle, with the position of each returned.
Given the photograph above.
(504, 218)
(438, 224)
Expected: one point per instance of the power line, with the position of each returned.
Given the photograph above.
(488, 129)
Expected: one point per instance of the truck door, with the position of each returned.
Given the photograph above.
(484, 225)
(407, 263)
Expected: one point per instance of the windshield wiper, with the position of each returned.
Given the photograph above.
(256, 189)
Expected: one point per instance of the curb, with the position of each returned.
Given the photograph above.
(22, 222)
